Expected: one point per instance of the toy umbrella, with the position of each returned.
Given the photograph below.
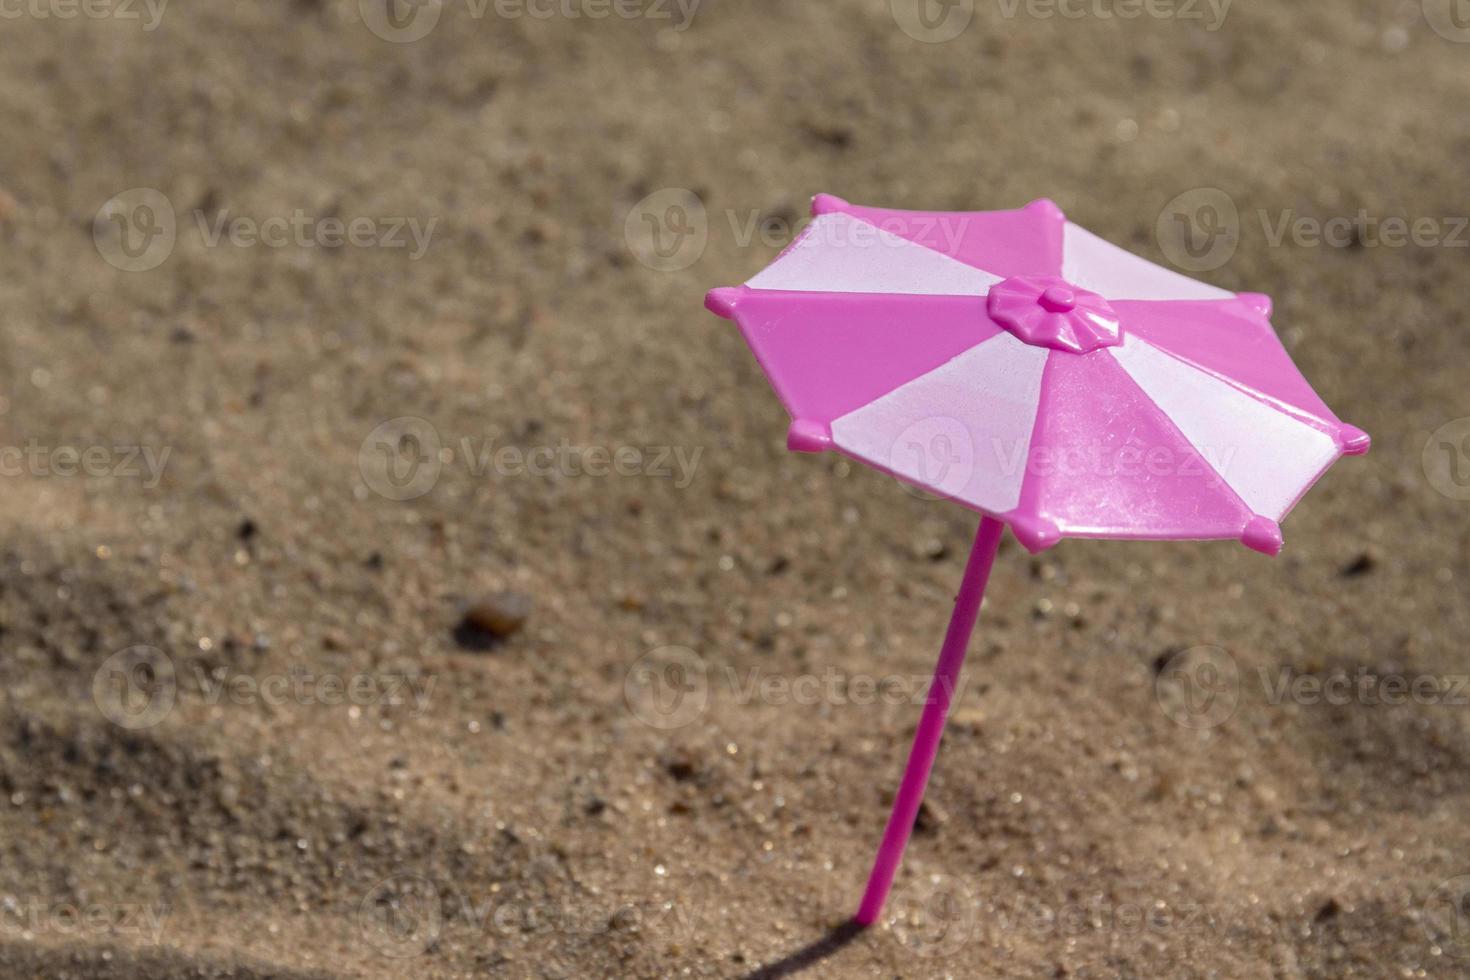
(1026, 368)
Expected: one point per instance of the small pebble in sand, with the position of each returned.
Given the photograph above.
(501, 613)
(932, 549)
(492, 619)
(930, 818)
(681, 766)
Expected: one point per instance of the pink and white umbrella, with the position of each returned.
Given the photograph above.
(1056, 383)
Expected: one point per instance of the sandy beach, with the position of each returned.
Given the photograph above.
(403, 575)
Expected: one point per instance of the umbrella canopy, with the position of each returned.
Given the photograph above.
(1020, 365)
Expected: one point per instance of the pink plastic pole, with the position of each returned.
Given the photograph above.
(931, 723)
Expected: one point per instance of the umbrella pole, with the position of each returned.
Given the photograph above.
(931, 722)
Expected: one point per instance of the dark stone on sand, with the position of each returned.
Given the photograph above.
(929, 819)
(492, 619)
(681, 767)
(1162, 660)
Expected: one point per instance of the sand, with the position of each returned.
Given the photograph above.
(342, 781)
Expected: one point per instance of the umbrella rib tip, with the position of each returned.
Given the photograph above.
(1048, 207)
(1035, 533)
(827, 204)
(1262, 534)
(806, 436)
(721, 301)
(1353, 441)
(1257, 302)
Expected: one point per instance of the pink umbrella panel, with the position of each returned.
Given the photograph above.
(1022, 366)
(1056, 383)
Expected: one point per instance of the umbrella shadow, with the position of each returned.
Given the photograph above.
(811, 954)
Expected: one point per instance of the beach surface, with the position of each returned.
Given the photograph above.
(597, 679)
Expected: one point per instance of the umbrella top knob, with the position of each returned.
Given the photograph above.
(1059, 299)
(1048, 311)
